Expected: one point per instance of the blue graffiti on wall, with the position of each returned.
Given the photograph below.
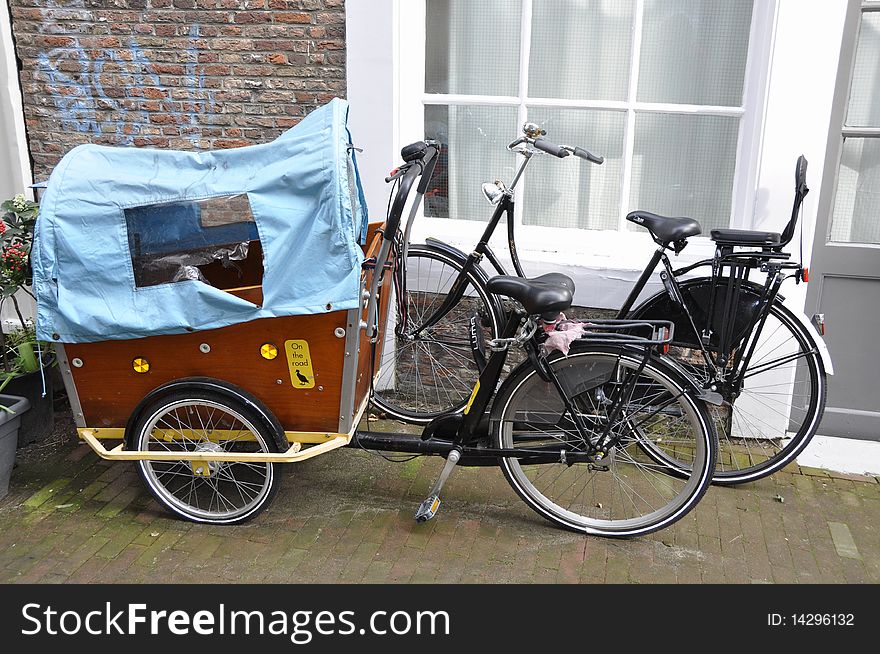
(85, 95)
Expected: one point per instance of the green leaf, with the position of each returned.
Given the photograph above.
(27, 357)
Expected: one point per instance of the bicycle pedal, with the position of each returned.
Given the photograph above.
(428, 509)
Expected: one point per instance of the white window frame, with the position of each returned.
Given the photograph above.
(846, 131)
(591, 248)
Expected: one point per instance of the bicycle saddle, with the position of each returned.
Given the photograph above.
(549, 293)
(557, 278)
(664, 228)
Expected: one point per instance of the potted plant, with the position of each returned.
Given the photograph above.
(20, 373)
(12, 409)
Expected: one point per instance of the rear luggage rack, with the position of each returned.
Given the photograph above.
(643, 333)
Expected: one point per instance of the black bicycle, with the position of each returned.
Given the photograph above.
(578, 436)
(762, 365)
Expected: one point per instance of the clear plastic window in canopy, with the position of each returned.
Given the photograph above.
(656, 86)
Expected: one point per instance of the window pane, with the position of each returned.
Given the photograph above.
(570, 192)
(864, 99)
(580, 49)
(472, 47)
(694, 51)
(856, 217)
(474, 151)
(683, 165)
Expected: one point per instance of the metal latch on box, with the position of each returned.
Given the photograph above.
(370, 264)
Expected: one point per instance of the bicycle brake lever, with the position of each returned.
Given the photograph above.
(397, 172)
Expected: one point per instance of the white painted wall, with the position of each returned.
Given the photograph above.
(15, 171)
(15, 168)
(800, 95)
(371, 50)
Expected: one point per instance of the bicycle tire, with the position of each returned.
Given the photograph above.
(194, 419)
(435, 373)
(526, 406)
(750, 446)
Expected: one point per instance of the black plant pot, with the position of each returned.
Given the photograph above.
(38, 423)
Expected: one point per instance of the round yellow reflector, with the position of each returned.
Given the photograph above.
(140, 365)
(268, 351)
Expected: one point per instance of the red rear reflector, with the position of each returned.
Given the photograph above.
(806, 274)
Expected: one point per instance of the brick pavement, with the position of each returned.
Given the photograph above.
(347, 517)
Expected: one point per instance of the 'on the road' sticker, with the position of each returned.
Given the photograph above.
(300, 363)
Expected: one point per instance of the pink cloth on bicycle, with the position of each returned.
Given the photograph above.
(564, 335)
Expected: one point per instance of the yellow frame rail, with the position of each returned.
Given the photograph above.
(325, 443)
(294, 454)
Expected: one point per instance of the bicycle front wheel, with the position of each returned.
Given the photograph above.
(427, 371)
(617, 402)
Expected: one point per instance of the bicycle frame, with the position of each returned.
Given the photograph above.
(481, 249)
(728, 351)
(468, 431)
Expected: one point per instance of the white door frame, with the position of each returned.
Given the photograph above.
(15, 165)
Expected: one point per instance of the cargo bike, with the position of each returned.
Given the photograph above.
(220, 313)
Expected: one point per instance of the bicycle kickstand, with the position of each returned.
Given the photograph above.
(428, 508)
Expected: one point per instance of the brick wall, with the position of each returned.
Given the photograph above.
(184, 74)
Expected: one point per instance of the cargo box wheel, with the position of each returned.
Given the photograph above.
(194, 419)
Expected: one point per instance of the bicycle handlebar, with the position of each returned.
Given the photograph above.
(589, 156)
(420, 159)
(544, 145)
(560, 151)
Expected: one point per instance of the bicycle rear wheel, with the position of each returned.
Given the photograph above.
(763, 426)
(626, 493)
(425, 372)
(196, 420)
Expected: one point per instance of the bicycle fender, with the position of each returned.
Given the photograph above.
(454, 252)
(445, 247)
(810, 328)
(217, 386)
(658, 306)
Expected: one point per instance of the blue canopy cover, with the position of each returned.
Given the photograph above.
(108, 210)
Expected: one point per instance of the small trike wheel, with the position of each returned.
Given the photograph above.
(199, 418)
